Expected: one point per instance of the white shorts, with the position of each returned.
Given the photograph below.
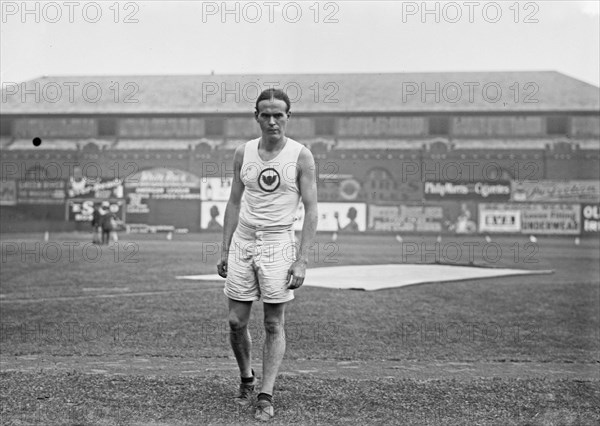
(258, 265)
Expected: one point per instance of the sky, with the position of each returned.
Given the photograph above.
(85, 38)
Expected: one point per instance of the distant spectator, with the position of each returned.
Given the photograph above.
(109, 224)
(96, 225)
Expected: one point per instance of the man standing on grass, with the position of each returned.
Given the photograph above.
(259, 257)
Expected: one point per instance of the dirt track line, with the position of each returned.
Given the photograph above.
(206, 367)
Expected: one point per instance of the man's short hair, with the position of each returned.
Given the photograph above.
(270, 94)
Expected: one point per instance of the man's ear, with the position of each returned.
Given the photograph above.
(289, 114)
(256, 115)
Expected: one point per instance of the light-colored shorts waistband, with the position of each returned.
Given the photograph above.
(277, 229)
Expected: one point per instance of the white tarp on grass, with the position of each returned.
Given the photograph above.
(377, 277)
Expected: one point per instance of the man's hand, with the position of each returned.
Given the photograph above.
(222, 266)
(296, 274)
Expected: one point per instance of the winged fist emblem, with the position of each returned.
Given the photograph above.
(269, 180)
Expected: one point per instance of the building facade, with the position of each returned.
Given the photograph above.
(409, 152)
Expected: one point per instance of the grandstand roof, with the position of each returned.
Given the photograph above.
(521, 91)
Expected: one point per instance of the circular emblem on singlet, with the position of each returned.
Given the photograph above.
(269, 180)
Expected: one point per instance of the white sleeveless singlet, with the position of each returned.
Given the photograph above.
(271, 194)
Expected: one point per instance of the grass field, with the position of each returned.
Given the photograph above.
(114, 338)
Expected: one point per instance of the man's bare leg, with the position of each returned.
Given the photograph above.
(274, 347)
(239, 336)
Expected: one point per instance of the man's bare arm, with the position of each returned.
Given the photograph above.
(232, 211)
(308, 189)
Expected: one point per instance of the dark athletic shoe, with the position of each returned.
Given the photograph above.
(264, 411)
(245, 394)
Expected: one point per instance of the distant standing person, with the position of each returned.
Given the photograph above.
(96, 225)
(271, 175)
(109, 224)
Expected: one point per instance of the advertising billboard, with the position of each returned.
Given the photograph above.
(212, 214)
(549, 219)
(337, 217)
(406, 218)
(215, 189)
(578, 191)
(499, 218)
(484, 191)
(80, 210)
(163, 197)
(94, 188)
(41, 192)
(590, 219)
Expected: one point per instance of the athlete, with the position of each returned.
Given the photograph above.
(260, 258)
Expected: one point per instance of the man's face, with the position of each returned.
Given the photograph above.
(272, 118)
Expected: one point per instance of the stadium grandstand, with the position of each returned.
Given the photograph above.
(457, 152)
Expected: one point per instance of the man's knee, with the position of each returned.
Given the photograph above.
(236, 323)
(274, 327)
